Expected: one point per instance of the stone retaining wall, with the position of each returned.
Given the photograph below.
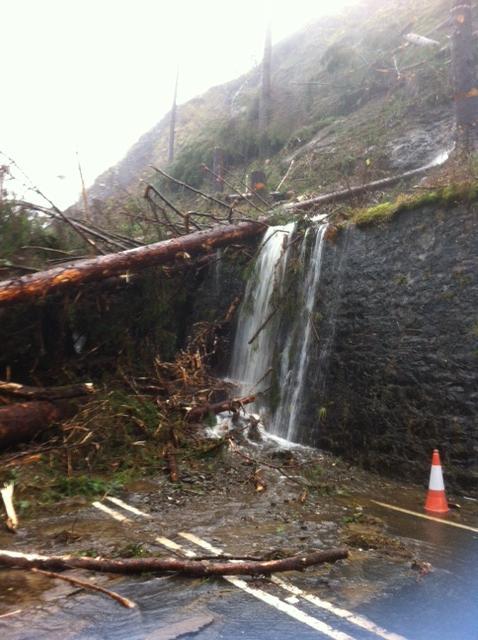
(397, 365)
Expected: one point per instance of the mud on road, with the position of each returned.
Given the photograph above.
(264, 499)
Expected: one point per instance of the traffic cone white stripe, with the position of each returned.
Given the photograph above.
(436, 479)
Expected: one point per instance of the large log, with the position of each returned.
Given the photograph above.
(197, 568)
(17, 390)
(75, 274)
(22, 421)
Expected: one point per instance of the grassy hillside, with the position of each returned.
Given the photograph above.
(340, 109)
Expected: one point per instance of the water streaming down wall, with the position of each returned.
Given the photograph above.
(295, 357)
(251, 362)
(279, 355)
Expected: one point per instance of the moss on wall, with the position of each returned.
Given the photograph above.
(446, 196)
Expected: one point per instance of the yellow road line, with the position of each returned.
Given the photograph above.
(425, 517)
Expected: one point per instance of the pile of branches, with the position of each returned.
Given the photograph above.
(186, 382)
(161, 408)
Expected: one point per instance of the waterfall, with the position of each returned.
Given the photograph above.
(296, 354)
(284, 342)
(251, 362)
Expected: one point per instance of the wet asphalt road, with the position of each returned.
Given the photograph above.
(442, 605)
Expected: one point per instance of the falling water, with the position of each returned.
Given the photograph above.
(261, 339)
(253, 345)
(296, 354)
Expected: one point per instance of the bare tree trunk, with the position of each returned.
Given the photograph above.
(84, 194)
(45, 393)
(351, 192)
(74, 274)
(464, 76)
(265, 106)
(172, 122)
(218, 170)
(197, 568)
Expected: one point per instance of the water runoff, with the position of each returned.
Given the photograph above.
(267, 344)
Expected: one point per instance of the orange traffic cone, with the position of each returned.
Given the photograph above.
(436, 498)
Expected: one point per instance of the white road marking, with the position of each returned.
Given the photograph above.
(201, 543)
(353, 618)
(289, 609)
(170, 544)
(357, 620)
(425, 517)
(128, 507)
(269, 599)
(111, 512)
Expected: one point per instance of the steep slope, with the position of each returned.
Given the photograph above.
(352, 101)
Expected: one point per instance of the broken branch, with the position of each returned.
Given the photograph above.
(194, 568)
(197, 413)
(193, 189)
(7, 497)
(125, 602)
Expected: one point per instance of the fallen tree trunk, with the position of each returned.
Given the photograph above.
(72, 275)
(22, 421)
(195, 568)
(344, 194)
(45, 393)
(197, 413)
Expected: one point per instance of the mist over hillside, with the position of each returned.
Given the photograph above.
(351, 100)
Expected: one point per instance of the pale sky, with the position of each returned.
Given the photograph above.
(93, 75)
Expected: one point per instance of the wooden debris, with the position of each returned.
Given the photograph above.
(286, 175)
(45, 393)
(245, 197)
(7, 497)
(345, 194)
(259, 482)
(22, 421)
(197, 413)
(193, 568)
(193, 189)
(72, 275)
(420, 41)
(172, 463)
(11, 613)
(84, 584)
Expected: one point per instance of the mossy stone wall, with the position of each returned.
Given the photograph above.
(396, 373)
